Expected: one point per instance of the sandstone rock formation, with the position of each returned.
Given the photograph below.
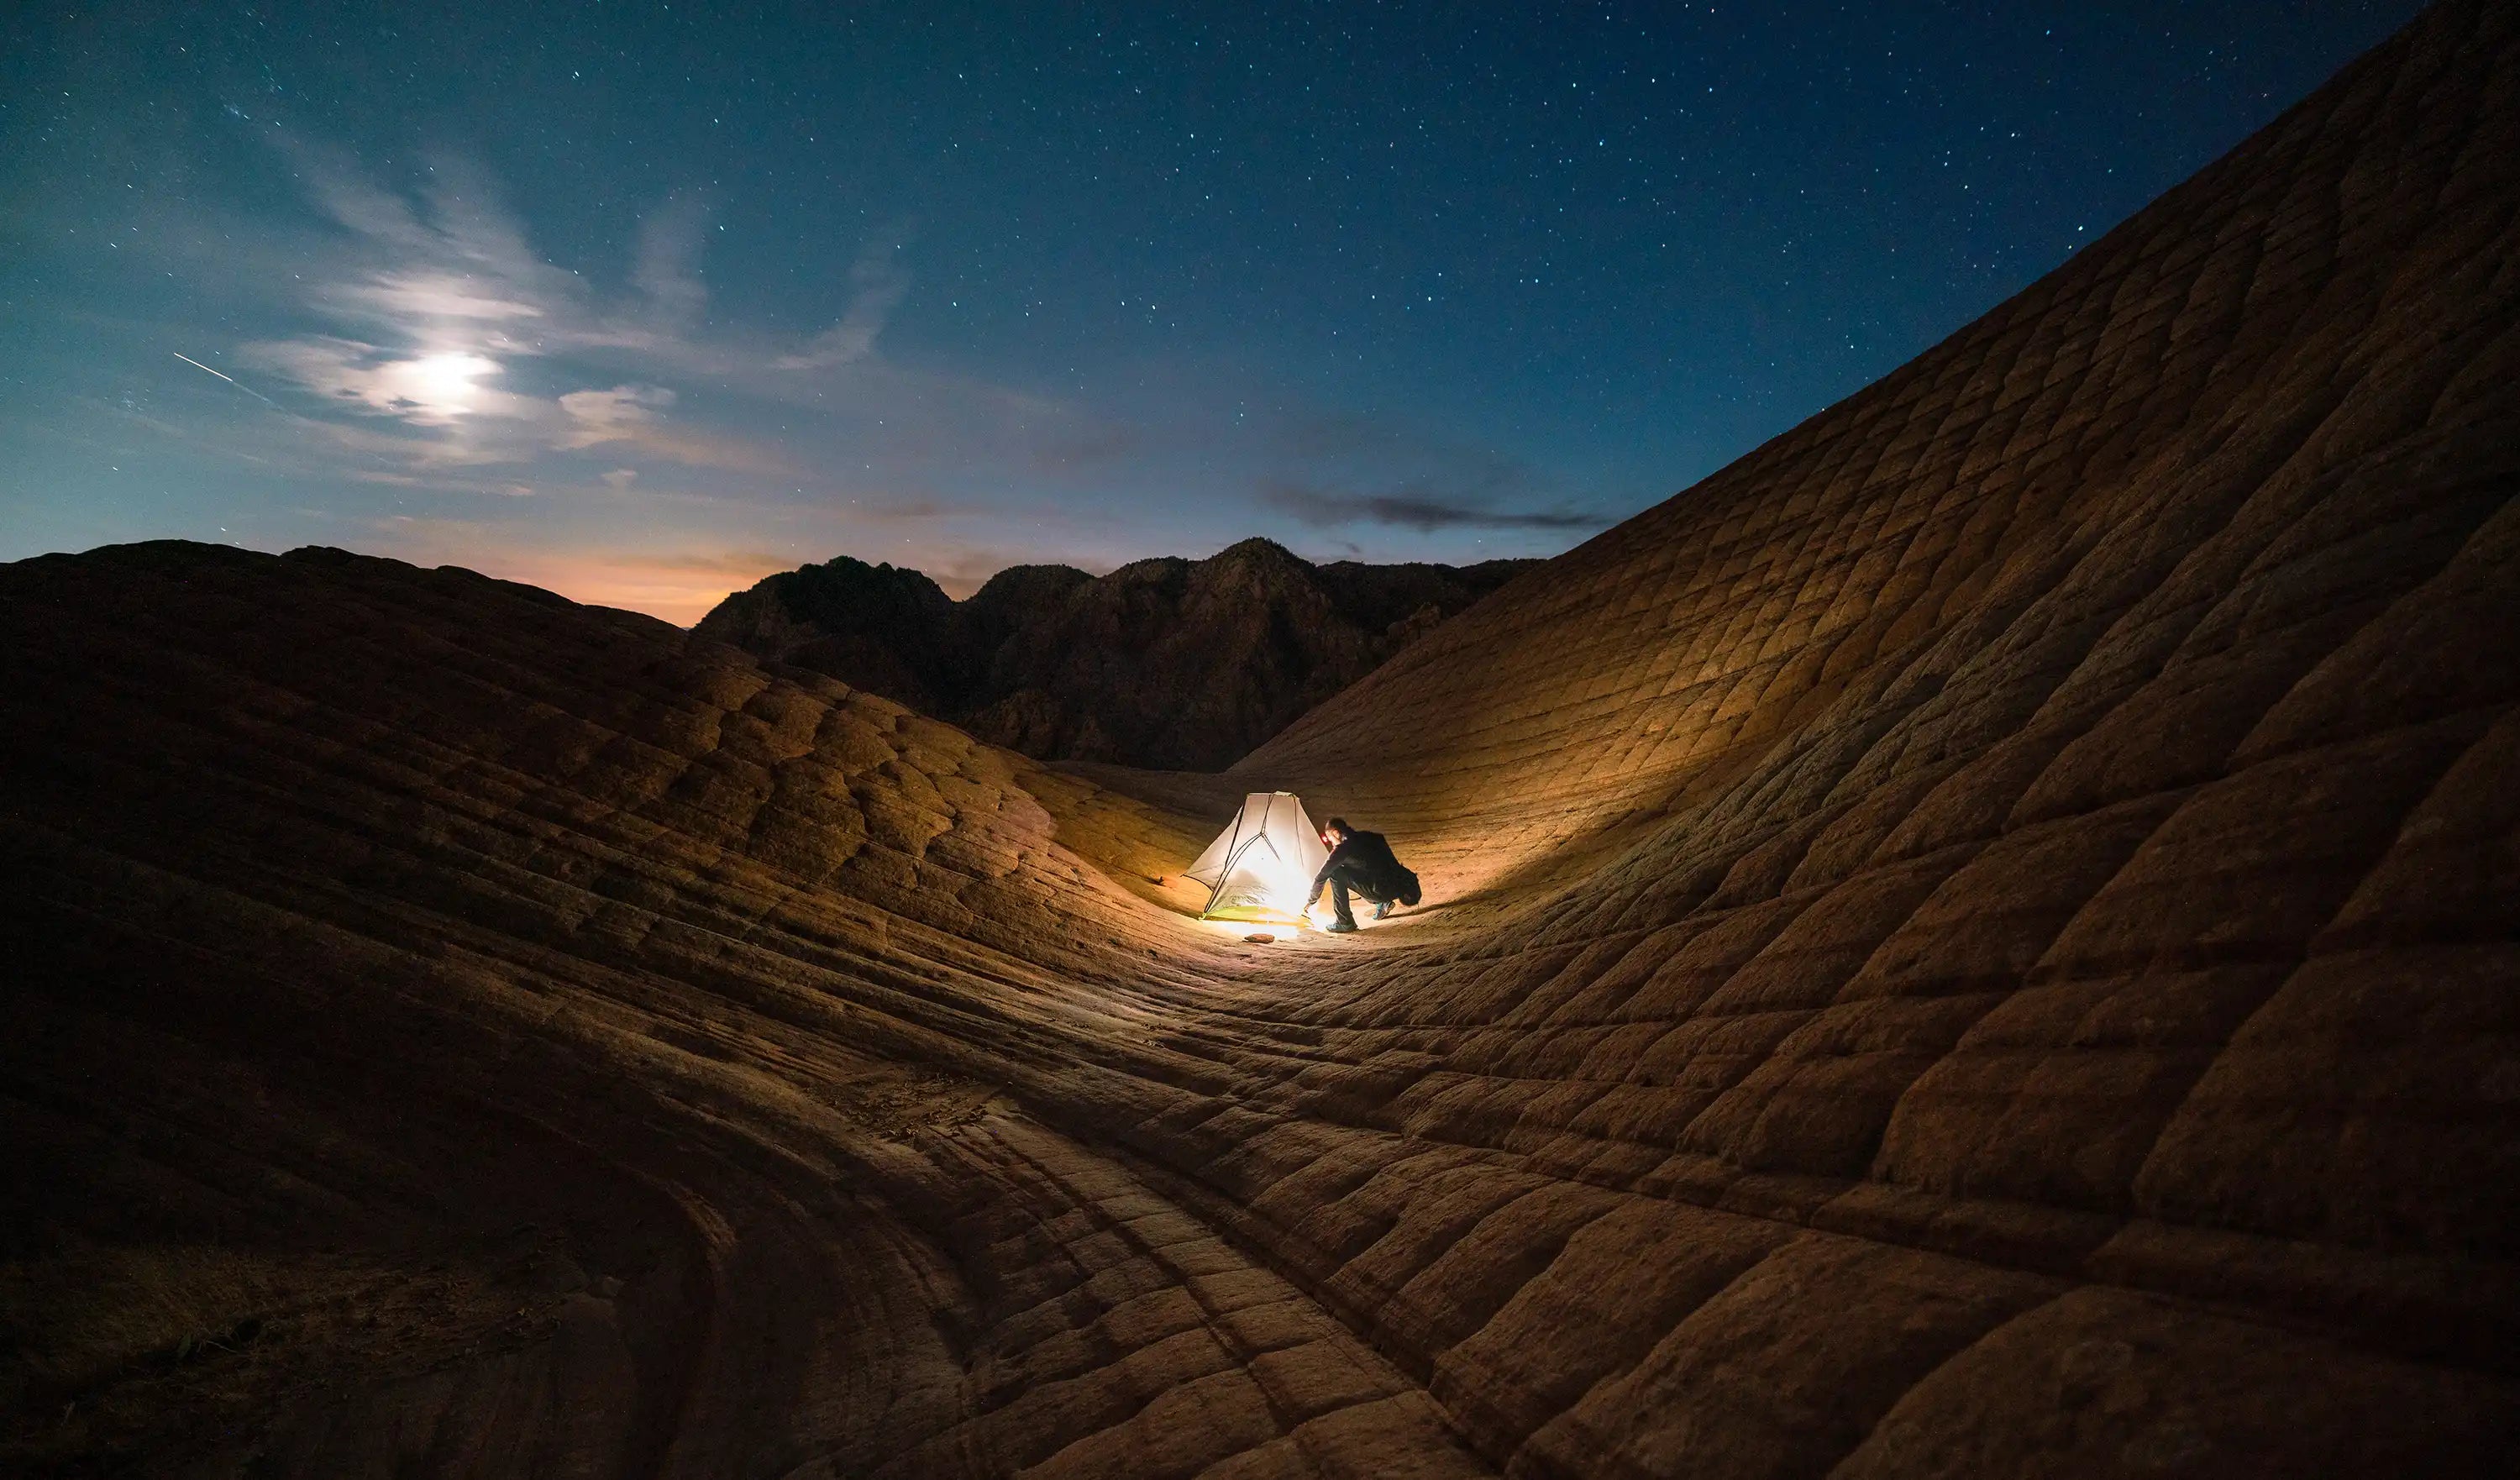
(1172, 663)
(1978, 941)
(883, 628)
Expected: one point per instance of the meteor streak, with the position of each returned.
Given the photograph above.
(231, 380)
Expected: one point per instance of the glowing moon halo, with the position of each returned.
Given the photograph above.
(442, 383)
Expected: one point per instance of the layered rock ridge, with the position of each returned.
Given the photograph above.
(1979, 940)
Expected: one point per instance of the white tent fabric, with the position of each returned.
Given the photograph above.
(1262, 865)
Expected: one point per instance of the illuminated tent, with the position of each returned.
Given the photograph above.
(1261, 867)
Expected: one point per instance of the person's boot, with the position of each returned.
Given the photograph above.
(1341, 927)
(1382, 910)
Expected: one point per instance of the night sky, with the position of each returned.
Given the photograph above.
(642, 301)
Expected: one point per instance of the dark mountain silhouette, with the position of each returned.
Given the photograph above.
(1172, 663)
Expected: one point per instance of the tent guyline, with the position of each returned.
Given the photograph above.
(1261, 867)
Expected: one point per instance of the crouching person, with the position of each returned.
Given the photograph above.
(1361, 861)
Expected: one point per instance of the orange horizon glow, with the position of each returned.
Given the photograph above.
(680, 589)
(676, 589)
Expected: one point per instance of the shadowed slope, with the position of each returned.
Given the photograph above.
(400, 947)
(1988, 950)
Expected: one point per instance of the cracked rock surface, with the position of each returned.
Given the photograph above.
(1981, 940)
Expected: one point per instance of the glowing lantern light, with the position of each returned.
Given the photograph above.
(1261, 867)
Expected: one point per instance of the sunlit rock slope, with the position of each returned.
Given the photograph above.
(1979, 941)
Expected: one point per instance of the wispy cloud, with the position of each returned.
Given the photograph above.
(432, 389)
(751, 564)
(1344, 468)
(443, 303)
(669, 262)
(616, 414)
(903, 511)
(448, 343)
(877, 287)
(440, 385)
(1413, 508)
(631, 419)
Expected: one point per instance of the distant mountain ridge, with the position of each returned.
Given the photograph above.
(1171, 664)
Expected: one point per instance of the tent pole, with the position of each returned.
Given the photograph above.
(1233, 850)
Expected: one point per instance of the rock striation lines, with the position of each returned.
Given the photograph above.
(1979, 940)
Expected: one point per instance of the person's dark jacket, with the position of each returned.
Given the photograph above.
(1371, 868)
